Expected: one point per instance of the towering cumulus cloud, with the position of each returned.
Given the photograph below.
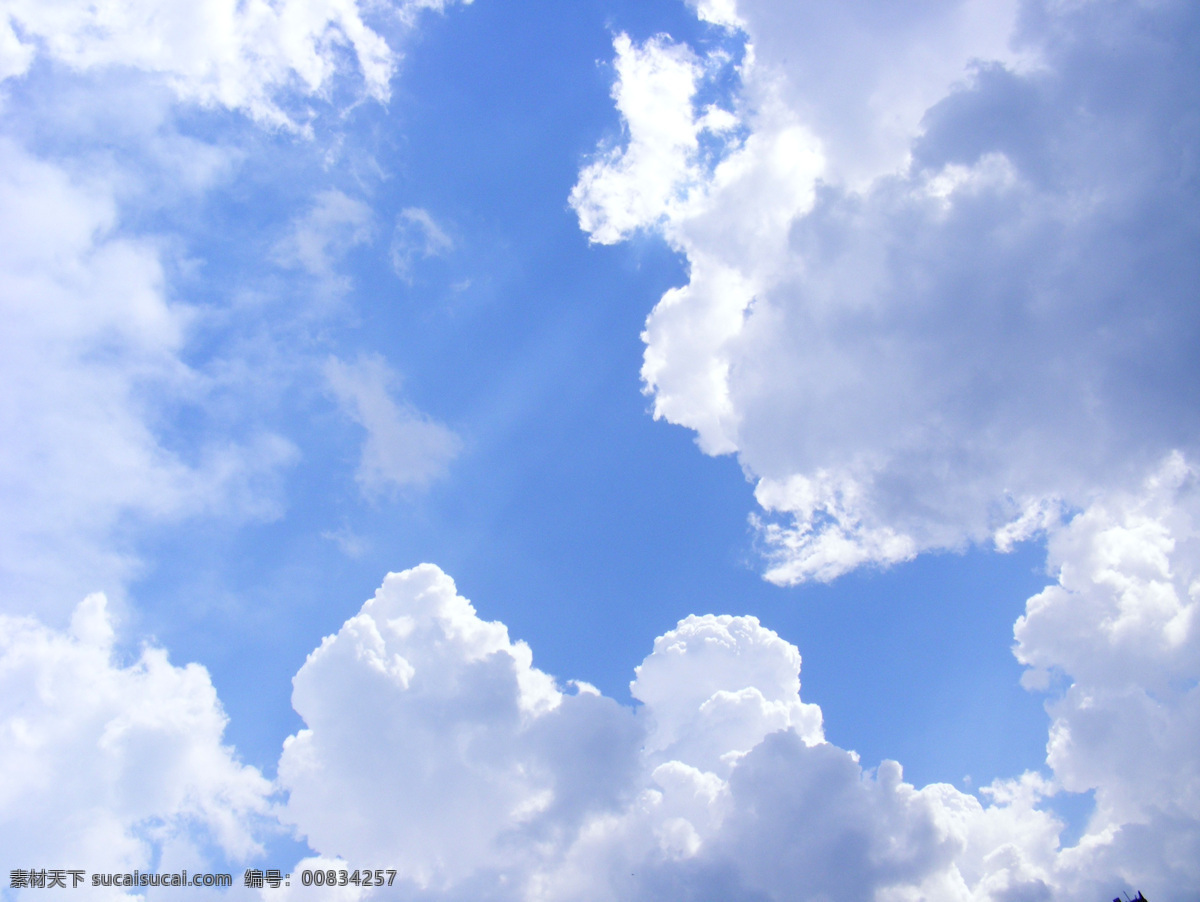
(432, 745)
(942, 261)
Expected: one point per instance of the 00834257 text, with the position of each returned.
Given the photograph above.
(343, 878)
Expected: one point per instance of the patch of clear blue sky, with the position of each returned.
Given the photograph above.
(571, 515)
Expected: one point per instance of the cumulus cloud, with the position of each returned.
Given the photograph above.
(939, 272)
(636, 185)
(432, 745)
(939, 291)
(432, 742)
(111, 766)
(403, 447)
(934, 301)
(722, 679)
(1121, 630)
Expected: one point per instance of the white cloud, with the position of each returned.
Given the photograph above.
(634, 186)
(110, 767)
(15, 57)
(95, 341)
(930, 302)
(416, 235)
(724, 680)
(90, 355)
(351, 544)
(861, 76)
(320, 237)
(432, 742)
(432, 745)
(96, 335)
(240, 55)
(1122, 630)
(403, 447)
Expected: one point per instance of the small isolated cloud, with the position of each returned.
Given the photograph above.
(319, 239)
(432, 742)
(112, 767)
(351, 543)
(404, 447)
(940, 290)
(416, 236)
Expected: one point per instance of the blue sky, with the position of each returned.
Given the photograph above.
(585, 526)
(876, 326)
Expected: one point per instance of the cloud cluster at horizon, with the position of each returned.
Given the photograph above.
(476, 773)
(432, 743)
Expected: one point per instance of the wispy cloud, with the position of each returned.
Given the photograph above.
(319, 238)
(416, 236)
(91, 353)
(404, 447)
(243, 57)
